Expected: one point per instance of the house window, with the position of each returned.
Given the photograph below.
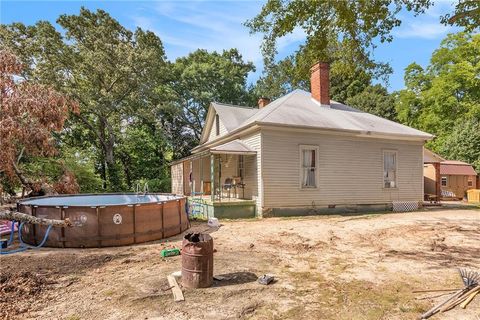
(309, 166)
(389, 169)
(444, 181)
(217, 124)
(241, 168)
(470, 182)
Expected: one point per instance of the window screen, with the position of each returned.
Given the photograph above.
(390, 169)
(309, 168)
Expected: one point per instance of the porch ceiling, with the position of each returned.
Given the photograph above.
(233, 147)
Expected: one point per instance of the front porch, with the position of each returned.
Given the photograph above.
(202, 207)
(220, 182)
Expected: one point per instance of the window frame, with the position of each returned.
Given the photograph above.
(385, 151)
(217, 125)
(441, 181)
(301, 148)
(469, 182)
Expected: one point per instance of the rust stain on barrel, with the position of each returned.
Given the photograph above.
(197, 260)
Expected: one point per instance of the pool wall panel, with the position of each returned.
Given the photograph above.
(148, 222)
(116, 225)
(109, 225)
(85, 232)
(171, 218)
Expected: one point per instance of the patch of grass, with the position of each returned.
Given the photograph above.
(73, 317)
(109, 292)
(338, 265)
(378, 301)
(355, 299)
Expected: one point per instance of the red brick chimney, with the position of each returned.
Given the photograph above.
(262, 102)
(320, 82)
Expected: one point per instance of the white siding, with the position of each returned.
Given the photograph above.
(253, 170)
(212, 135)
(350, 170)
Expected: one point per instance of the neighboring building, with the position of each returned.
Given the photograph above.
(431, 175)
(446, 179)
(456, 177)
(303, 153)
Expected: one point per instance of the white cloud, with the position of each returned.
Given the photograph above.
(193, 25)
(423, 30)
(427, 25)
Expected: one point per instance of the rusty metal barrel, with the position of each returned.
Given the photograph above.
(197, 260)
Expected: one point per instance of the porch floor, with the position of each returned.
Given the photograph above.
(225, 200)
(230, 208)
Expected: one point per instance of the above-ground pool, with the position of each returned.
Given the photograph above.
(105, 220)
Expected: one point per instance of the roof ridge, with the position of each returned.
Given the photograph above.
(287, 96)
(232, 105)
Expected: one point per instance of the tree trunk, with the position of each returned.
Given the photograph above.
(40, 189)
(108, 145)
(22, 217)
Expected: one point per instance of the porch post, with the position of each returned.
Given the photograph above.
(190, 179)
(438, 192)
(212, 176)
(201, 175)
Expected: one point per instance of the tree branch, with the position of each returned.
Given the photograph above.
(24, 180)
(22, 217)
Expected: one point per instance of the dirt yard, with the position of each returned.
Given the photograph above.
(326, 267)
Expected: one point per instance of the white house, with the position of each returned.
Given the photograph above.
(302, 153)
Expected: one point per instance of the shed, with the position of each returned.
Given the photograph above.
(456, 177)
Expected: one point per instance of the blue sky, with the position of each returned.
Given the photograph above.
(184, 26)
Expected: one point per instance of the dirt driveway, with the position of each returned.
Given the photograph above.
(327, 267)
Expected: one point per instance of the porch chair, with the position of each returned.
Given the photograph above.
(228, 185)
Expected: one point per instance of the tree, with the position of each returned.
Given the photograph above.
(444, 98)
(463, 143)
(466, 15)
(29, 114)
(355, 25)
(375, 100)
(99, 63)
(203, 77)
(447, 91)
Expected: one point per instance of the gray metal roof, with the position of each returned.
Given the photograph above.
(233, 116)
(233, 147)
(299, 109)
(431, 157)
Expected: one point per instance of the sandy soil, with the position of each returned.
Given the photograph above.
(326, 267)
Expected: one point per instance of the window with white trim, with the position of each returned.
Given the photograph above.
(444, 181)
(470, 182)
(389, 169)
(309, 166)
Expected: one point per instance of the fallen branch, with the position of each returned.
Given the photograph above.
(435, 290)
(22, 217)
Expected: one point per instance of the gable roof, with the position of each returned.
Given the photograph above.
(233, 147)
(299, 109)
(452, 167)
(431, 157)
(233, 116)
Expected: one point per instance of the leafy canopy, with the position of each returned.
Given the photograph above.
(100, 64)
(355, 25)
(446, 91)
(29, 114)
